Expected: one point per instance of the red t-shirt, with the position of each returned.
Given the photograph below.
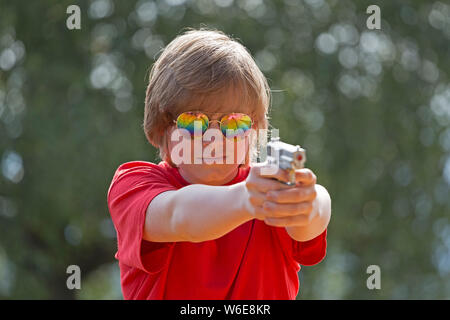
(253, 261)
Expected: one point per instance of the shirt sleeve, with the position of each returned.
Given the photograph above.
(131, 191)
(311, 252)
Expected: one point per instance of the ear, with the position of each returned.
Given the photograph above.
(165, 146)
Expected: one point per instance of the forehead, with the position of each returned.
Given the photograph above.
(223, 102)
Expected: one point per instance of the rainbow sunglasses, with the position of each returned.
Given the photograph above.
(232, 125)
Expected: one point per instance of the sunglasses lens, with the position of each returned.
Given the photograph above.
(187, 120)
(235, 125)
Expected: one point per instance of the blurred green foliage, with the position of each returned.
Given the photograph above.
(372, 107)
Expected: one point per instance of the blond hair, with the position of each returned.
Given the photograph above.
(197, 67)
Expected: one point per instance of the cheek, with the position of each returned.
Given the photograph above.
(196, 149)
(240, 149)
(177, 145)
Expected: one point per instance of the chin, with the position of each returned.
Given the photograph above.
(214, 171)
(219, 167)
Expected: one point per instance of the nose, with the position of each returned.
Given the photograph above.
(214, 124)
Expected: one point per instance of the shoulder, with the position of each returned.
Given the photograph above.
(143, 169)
(140, 174)
(136, 167)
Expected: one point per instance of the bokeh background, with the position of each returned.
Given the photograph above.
(372, 108)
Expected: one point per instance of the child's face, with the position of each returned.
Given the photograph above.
(228, 153)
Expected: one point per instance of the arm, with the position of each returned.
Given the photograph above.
(321, 214)
(195, 213)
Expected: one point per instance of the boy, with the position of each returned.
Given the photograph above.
(207, 227)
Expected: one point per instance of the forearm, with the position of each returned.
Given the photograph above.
(321, 218)
(203, 212)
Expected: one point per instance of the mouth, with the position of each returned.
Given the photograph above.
(213, 159)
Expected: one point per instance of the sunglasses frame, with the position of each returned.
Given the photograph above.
(209, 120)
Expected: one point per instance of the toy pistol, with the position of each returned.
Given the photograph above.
(285, 156)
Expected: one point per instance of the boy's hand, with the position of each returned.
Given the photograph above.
(277, 203)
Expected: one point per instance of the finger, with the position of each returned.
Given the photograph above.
(265, 184)
(294, 221)
(256, 198)
(273, 209)
(273, 171)
(305, 176)
(258, 213)
(293, 195)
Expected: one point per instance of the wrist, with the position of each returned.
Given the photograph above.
(240, 200)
